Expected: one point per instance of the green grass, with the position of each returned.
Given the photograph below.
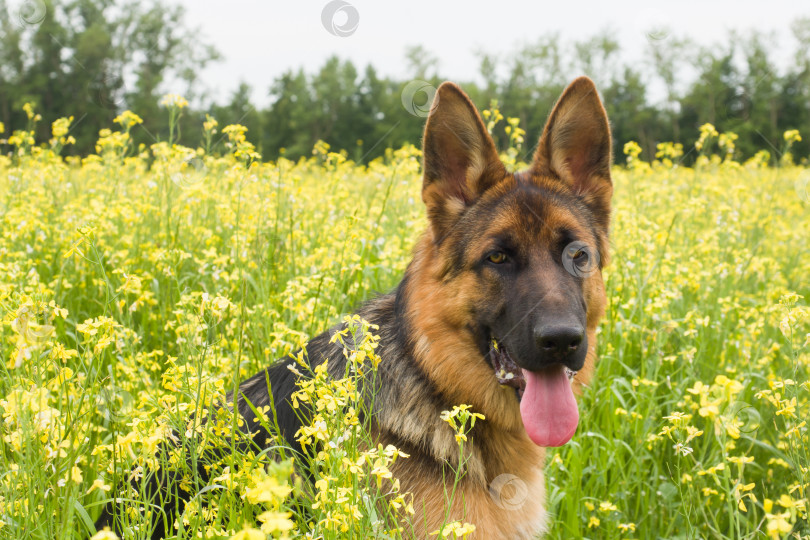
(182, 275)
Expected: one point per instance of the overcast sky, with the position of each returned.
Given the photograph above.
(259, 40)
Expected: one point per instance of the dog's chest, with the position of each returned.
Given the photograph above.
(510, 507)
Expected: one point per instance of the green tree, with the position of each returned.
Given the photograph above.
(631, 117)
(90, 59)
(668, 57)
(714, 97)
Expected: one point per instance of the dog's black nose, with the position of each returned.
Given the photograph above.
(559, 340)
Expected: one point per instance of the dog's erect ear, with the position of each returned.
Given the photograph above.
(575, 146)
(460, 159)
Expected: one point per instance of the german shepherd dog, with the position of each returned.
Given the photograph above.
(498, 309)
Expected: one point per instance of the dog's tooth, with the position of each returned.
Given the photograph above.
(509, 376)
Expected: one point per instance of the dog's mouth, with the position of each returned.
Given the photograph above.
(507, 372)
(547, 404)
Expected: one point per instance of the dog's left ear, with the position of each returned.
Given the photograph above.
(575, 147)
(460, 158)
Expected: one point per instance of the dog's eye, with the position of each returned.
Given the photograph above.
(580, 256)
(579, 259)
(577, 253)
(498, 257)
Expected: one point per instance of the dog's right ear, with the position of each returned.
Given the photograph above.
(460, 158)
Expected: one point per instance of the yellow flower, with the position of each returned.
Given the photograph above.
(796, 431)
(99, 484)
(249, 533)
(106, 534)
(785, 501)
(381, 472)
(626, 527)
(741, 460)
(76, 474)
(210, 124)
(607, 506)
(174, 100)
(788, 408)
(669, 150)
(632, 149)
(458, 530)
(778, 525)
(741, 492)
(60, 127)
(236, 132)
(29, 111)
(713, 470)
(692, 432)
(267, 489)
(678, 418)
(707, 131)
(792, 136)
(275, 522)
(127, 119)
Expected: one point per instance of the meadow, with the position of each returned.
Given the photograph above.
(139, 284)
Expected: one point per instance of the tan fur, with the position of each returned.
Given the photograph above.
(520, 514)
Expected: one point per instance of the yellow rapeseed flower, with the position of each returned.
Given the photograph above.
(61, 126)
(29, 111)
(210, 124)
(174, 100)
(105, 534)
(127, 119)
(713, 470)
(456, 529)
(607, 506)
(249, 533)
(792, 136)
(273, 522)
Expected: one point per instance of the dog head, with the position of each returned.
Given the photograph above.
(514, 260)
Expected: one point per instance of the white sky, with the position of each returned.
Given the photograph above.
(260, 40)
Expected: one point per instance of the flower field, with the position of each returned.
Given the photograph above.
(138, 285)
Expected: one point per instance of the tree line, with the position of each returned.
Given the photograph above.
(92, 59)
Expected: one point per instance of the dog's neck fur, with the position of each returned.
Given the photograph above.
(435, 342)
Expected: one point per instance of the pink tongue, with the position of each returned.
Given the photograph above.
(548, 407)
